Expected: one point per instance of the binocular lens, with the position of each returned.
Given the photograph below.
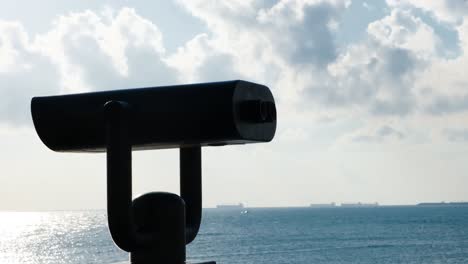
(258, 111)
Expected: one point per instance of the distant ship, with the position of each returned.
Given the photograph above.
(359, 204)
(230, 206)
(330, 205)
(444, 204)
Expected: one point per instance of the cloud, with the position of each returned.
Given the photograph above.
(375, 78)
(83, 51)
(290, 45)
(292, 135)
(451, 11)
(277, 44)
(104, 51)
(395, 70)
(443, 84)
(456, 135)
(367, 6)
(200, 61)
(23, 72)
(441, 105)
(305, 28)
(14, 42)
(379, 74)
(401, 29)
(384, 132)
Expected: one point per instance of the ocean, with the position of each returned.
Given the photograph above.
(409, 234)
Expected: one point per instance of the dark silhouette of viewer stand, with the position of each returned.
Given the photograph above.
(156, 226)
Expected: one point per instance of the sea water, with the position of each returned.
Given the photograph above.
(407, 235)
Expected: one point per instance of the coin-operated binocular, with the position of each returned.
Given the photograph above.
(156, 227)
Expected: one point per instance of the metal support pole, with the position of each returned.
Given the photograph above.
(119, 175)
(161, 216)
(191, 189)
(156, 226)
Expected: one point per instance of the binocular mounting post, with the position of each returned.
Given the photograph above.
(155, 227)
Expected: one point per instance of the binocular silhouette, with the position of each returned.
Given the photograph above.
(156, 227)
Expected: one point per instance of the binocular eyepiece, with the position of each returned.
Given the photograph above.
(155, 227)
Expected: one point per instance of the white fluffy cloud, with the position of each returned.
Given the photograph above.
(378, 74)
(269, 43)
(104, 51)
(451, 11)
(401, 29)
(288, 44)
(81, 52)
(23, 72)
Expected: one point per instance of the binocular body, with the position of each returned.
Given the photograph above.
(156, 227)
(210, 114)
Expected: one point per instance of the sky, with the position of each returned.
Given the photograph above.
(372, 96)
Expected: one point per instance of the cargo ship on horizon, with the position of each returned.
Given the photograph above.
(230, 206)
(359, 204)
(444, 204)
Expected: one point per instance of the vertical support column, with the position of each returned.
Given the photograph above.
(119, 174)
(160, 217)
(151, 227)
(191, 189)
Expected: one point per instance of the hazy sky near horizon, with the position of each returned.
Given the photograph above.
(372, 96)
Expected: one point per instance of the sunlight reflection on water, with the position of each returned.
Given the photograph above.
(55, 237)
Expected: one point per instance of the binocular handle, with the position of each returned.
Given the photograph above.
(119, 183)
